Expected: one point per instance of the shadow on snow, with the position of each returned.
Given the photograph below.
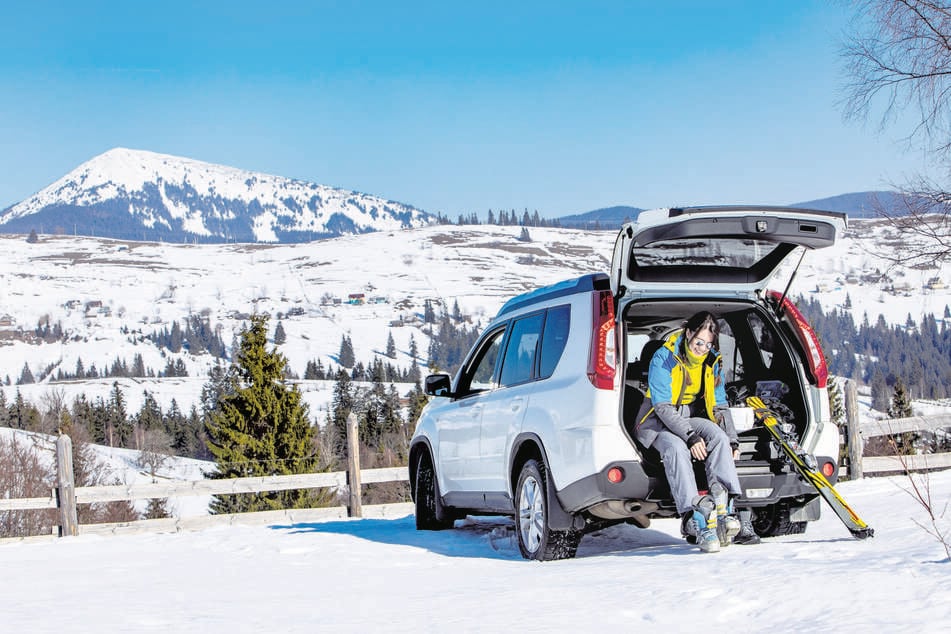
(493, 537)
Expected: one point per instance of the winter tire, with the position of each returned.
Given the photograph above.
(773, 521)
(428, 504)
(536, 539)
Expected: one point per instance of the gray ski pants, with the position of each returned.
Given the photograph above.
(719, 464)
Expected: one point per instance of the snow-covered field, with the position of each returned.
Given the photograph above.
(144, 287)
(375, 575)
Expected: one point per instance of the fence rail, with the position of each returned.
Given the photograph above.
(185, 488)
(65, 497)
(860, 432)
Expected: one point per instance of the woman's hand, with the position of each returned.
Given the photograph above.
(698, 447)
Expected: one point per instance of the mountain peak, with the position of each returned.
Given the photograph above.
(142, 195)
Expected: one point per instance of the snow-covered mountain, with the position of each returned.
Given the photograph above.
(138, 195)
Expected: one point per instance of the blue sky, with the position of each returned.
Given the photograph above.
(452, 107)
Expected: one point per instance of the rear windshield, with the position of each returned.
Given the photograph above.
(707, 260)
(719, 251)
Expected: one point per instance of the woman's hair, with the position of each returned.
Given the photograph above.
(701, 320)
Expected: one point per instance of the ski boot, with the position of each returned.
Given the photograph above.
(703, 519)
(747, 536)
(727, 523)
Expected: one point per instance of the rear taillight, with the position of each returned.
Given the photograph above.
(818, 370)
(601, 362)
(828, 469)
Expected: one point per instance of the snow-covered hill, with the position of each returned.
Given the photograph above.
(139, 195)
(107, 295)
(381, 575)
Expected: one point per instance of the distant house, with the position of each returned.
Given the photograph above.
(6, 321)
(935, 284)
(73, 304)
(901, 288)
(356, 299)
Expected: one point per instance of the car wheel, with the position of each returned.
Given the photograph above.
(428, 505)
(536, 539)
(773, 520)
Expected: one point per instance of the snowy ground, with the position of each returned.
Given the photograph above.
(383, 575)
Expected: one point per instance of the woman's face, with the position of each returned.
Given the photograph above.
(700, 342)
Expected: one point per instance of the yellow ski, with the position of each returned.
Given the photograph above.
(805, 466)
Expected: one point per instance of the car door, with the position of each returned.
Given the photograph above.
(460, 421)
(726, 250)
(505, 408)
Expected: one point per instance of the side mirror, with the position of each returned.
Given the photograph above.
(438, 385)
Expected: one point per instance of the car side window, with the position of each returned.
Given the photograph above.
(480, 374)
(557, 323)
(521, 350)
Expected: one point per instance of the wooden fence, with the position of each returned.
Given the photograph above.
(859, 432)
(66, 496)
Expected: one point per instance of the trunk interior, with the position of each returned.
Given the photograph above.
(756, 357)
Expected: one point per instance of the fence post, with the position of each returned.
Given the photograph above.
(353, 466)
(854, 437)
(66, 487)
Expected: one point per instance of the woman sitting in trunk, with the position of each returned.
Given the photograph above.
(685, 397)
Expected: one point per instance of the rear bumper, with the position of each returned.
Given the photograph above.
(596, 489)
(640, 494)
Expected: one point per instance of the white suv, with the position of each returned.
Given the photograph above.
(537, 423)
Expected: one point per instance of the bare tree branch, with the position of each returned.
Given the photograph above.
(899, 56)
(922, 219)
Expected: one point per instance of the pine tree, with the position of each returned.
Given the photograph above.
(261, 428)
(118, 427)
(900, 407)
(346, 356)
(148, 419)
(836, 403)
(341, 405)
(176, 338)
(310, 371)
(417, 401)
(879, 391)
(26, 376)
(279, 335)
(138, 366)
(390, 346)
(157, 509)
